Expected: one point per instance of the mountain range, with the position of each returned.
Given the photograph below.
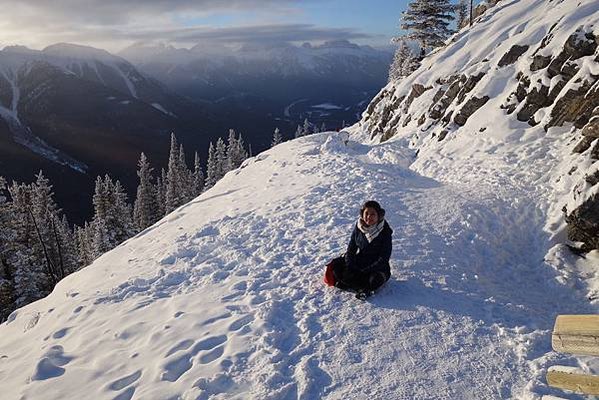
(77, 112)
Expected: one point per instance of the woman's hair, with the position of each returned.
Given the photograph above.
(376, 206)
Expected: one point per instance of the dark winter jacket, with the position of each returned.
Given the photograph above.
(370, 257)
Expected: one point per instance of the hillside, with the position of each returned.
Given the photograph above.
(76, 112)
(224, 299)
(526, 74)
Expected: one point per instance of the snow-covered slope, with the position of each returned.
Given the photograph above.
(224, 297)
(525, 74)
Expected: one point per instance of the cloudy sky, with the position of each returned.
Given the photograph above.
(115, 24)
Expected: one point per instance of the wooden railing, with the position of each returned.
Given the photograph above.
(575, 334)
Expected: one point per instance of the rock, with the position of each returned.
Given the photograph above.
(469, 85)
(591, 129)
(440, 107)
(583, 224)
(417, 91)
(575, 106)
(592, 179)
(442, 135)
(512, 55)
(536, 99)
(577, 45)
(583, 145)
(540, 62)
(469, 108)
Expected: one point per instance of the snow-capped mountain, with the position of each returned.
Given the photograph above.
(277, 81)
(224, 298)
(83, 112)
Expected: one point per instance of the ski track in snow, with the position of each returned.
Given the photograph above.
(224, 297)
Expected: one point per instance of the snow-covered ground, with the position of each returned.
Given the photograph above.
(224, 297)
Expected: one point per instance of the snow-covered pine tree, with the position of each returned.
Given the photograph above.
(100, 238)
(222, 163)
(160, 190)
(306, 128)
(186, 181)
(122, 224)
(112, 223)
(45, 217)
(276, 138)
(404, 62)
(85, 246)
(231, 151)
(31, 268)
(323, 127)
(462, 13)
(6, 239)
(428, 22)
(236, 153)
(145, 209)
(299, 132)
(211, 168)
(66, 236)
(198, 176)
(174, 179)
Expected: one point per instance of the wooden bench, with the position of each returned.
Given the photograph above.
(575, 334)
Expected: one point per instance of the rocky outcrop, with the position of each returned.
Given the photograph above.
(583, 224)
(469, 108)
(512, 55)
(556, 83)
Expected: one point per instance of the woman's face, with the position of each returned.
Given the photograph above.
(370, 216)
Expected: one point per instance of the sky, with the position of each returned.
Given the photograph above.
(116, 24)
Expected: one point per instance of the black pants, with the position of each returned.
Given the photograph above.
(346, 278)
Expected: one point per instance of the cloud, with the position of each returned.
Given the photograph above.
(114, 24)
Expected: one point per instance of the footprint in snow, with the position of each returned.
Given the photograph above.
(174, 369)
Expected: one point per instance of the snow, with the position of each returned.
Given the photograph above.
(224, 298)
(162, 109)
(327, 106)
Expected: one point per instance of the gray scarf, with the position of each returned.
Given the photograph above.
(371, 232)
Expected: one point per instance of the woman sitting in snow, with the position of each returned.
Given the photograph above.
(365, 266)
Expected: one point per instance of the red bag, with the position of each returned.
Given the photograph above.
(329, 276)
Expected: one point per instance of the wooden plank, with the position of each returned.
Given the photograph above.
(576, 334)
(573, 379)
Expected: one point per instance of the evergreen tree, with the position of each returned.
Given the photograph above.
(323, 127)
(186, 178)
(428, 22)
(100, 238)
(85, 245)
(112, 223)
(236, 153)
(299, 132)
(145, 211)
(276, 138)
(68, 243)
(6, 239)
(174, 179)
(306, 128)
(211, 168)
(160, 190)
(122, 223)
(222, 162)
(404, 63)
(198, 176)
